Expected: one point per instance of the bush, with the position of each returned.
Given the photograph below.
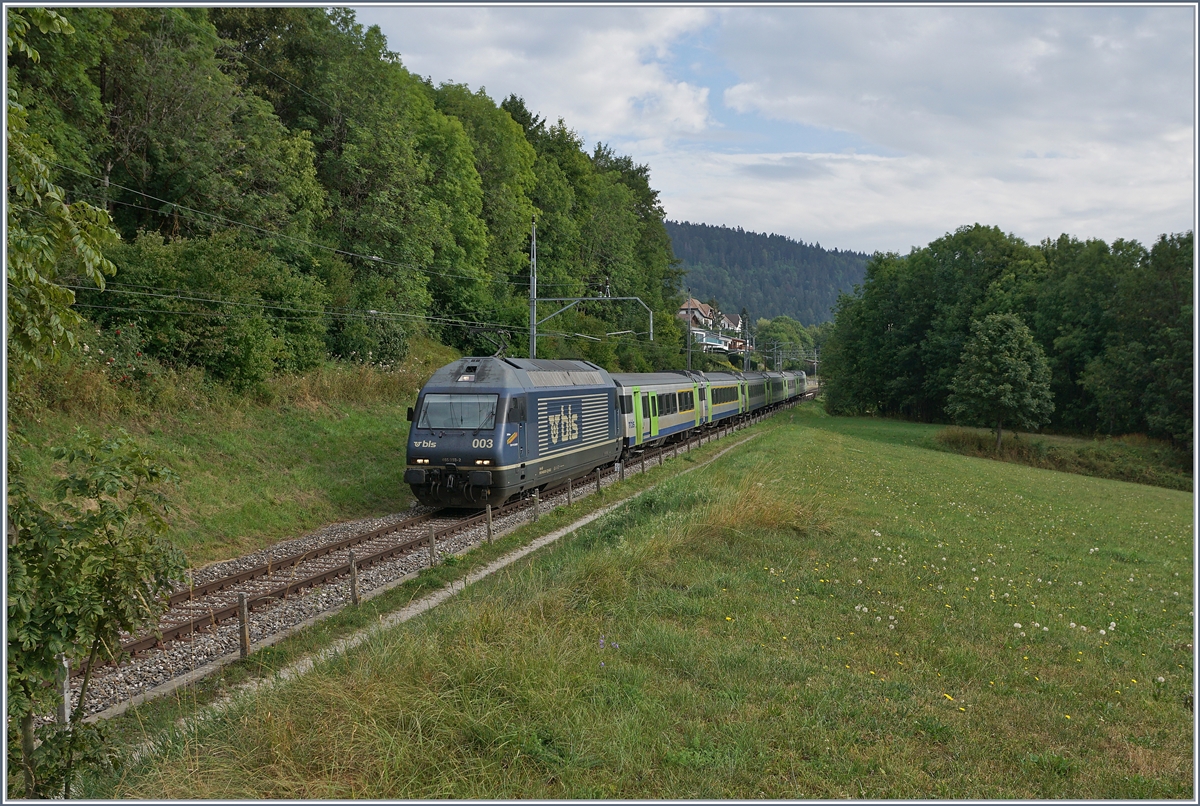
(245, 314)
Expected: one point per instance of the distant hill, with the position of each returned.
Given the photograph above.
(769, 275)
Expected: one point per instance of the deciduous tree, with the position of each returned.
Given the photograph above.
(1002, 377)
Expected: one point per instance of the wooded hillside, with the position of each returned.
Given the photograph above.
(768, 275)
(285, 190)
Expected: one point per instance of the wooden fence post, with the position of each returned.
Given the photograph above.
(433, 557)
(244, 623)
(489, 523)
(570, 493)
(355, 597)
(537, 506)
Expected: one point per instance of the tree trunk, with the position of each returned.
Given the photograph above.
(27, 755)
(87, 676)
(999, 434)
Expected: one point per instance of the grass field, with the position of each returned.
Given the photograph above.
(831, 611)
(330, 446)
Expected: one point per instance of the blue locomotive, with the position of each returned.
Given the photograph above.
(487, 429)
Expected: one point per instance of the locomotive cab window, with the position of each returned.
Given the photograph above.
(458, 411)
(516, 410)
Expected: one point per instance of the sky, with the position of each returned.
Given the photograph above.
(862, 128)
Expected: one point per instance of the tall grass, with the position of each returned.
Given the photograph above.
(1132, 457)
(298, 453)
(80, 387)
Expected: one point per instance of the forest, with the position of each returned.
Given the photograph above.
(280, 189)
(1113, 321)
(766, 275)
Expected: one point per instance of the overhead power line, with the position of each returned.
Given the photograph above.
(299, 313)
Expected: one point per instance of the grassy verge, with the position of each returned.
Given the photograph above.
(830, 611)
(1129, 458)
(146, 722)
(328, 446)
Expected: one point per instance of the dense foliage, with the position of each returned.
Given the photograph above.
(366, 203)
(49, 238)
(791, 341)
(768, 275)
(1114, 322)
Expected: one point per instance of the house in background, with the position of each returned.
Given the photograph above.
(697, 313)
(711, 330)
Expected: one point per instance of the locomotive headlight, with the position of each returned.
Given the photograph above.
(483, 461)
(422, 461)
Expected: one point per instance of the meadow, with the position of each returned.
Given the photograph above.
(832, 610)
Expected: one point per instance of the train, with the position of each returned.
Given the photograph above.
(487, 430)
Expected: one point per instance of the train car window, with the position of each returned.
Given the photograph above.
(654, 405)
(516, 410)
(667, 403)
(458, 411)
(626, 402)
(646, 407)
(687, 401)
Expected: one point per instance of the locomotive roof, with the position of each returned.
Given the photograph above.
(529, 373)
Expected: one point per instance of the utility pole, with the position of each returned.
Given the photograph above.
(745, 344)
(689, 329)
(533, 291)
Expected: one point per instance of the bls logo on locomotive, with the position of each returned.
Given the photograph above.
(564, 426)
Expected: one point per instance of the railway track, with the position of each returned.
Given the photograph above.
(206, 607)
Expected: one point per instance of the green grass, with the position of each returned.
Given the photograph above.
(747, 665)
(328, 446)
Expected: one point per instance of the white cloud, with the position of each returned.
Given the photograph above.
(933, 81)
(600, 70)
(1037, 120)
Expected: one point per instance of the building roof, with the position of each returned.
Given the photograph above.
(694, 304)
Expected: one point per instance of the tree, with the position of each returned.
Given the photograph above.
(79, 574)
(1002, 377)
(1143, 379)
(48, 238)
